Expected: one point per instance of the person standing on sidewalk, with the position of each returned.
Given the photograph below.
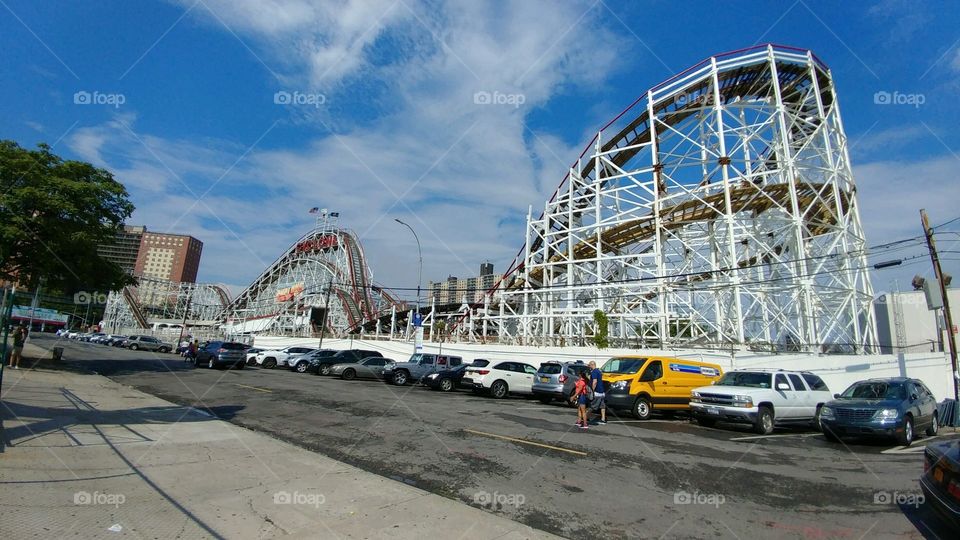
(599, 402)
(579, 397)
(19, 338)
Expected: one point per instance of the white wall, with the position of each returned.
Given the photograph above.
(838, 371)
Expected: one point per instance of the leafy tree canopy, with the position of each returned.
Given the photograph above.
(53, 214)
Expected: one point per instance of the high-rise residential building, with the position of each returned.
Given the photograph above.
(458, 291)
(174, 257)
(124, 249)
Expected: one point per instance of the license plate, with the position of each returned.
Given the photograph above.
(544, 379)
(713, 411)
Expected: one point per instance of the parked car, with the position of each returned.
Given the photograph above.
(251, 355)
(940, 481)
(644, 384)
(450, 379)
(502, 378)
(215, 354)
(763, 398)
(272, 358)
(147, 343)
(555, 380)
(419, 366)
(112, 339)
(896, 408)
(96, 337)
(301, 362)
(367, 368)
(322, 364)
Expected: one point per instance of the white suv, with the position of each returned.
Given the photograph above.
(762, 397)
(273, 358)
(501, 378)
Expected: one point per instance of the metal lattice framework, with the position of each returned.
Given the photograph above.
(718, 209)
(324, 270)
(157, 302)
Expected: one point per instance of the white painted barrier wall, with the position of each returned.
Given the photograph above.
(838, 371)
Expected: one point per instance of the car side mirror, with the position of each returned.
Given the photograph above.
(783, 386)
(913, 397)
(836, 396)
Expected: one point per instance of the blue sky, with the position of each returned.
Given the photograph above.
(388, 127)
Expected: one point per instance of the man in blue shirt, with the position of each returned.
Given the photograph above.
(599, 402)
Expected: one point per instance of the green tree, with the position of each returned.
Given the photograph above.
(600, 338)
(53, 214)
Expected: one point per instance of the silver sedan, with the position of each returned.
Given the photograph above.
(367, 368)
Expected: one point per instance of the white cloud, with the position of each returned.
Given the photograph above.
(466, 173)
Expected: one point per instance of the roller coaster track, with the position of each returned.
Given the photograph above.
(135, 308)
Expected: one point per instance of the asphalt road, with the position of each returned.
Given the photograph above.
(665, 478)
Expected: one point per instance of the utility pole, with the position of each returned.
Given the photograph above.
(947, 315)
(326, 306)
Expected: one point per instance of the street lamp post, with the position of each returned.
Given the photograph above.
(420, 256)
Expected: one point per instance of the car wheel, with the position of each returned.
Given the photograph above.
(446, 385)
(816, 419)
(211, 364)
(905, 437)
(324, 370)
(400, 378)
(134, 347)
(546, 400)
(642, 409)
(934, 426)
(163, 350)
(706, 422)
(302, 367)
(348, 374)
(270, 363)
(499, 390)
(764, 424)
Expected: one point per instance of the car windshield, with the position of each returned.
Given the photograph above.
(745, 378)
(874, 390)
(232, 346)
(550, 369)
(623, 365)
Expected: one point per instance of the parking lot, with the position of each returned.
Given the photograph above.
(665, 477)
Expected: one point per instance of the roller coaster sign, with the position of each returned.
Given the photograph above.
(317, 244)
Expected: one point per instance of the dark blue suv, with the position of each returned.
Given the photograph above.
(897, 408)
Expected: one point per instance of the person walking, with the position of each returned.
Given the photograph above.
(19, 338)
(599, 403)
(579, 396)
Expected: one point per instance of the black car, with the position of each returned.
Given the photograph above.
(940, 481)
(449, 379)
(303, 363)
(896, 407)
(321, 365)
(215, 354)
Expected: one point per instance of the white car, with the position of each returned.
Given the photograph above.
(762, 397)
(501, 378)
(278, 357)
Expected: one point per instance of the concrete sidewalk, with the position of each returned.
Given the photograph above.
(87, 457)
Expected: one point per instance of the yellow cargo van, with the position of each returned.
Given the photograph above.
(642, 384)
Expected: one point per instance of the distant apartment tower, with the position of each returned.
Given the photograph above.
(174, 257)
(458, 291)
(125, 247)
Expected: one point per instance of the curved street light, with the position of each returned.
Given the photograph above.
(420, 257)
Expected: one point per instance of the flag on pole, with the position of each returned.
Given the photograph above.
(315, 209)
(334, 214)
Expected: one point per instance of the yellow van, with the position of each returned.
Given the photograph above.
(641, 384)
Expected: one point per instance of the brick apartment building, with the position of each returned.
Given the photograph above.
(172, 257)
